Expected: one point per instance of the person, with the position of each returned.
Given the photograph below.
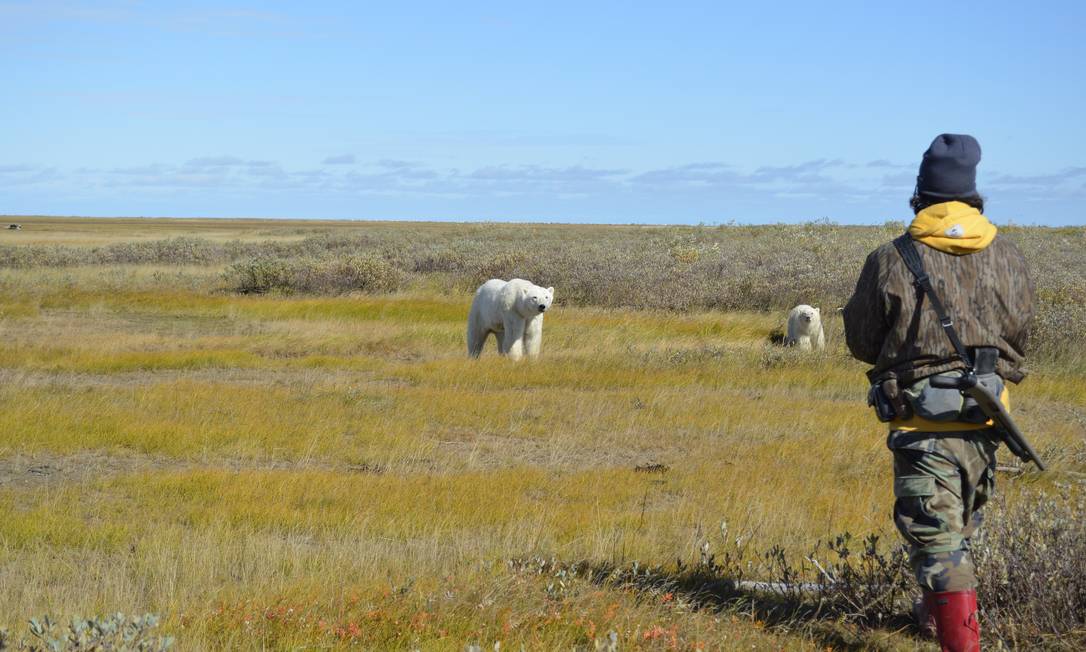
(943, 454)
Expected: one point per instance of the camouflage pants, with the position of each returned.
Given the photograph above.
(941, 481)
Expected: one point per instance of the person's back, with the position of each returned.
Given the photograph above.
(982, 280)
(944, 453)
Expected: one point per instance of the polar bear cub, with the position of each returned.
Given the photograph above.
(805, 328)
(513, 311)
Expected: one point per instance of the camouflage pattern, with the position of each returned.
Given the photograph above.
(941, 482)
(988, 294)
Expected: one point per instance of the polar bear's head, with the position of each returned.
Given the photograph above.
(535, 300)
(807, 314)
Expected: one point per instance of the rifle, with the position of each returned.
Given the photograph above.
(990, 405)
(968, 383)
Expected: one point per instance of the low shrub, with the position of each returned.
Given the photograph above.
(1029, 558)
(314, 275)
(258, 275)
(117, 632)
(1059, 326)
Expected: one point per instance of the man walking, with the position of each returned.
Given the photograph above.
(943, 446)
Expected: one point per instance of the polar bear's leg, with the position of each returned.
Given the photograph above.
(533, 336)
(476, 341)
(821, 341)
(513, 325)
(804, 342)
(793, 338)
(477, 334)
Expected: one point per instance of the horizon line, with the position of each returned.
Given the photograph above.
(438, 220)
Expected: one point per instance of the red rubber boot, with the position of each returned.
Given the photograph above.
(955, 614)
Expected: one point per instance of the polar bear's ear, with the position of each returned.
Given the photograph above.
(524, 292)
(550, 290)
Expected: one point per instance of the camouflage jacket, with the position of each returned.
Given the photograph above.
(988, 294)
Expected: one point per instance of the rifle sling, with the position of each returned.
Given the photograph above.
(906, 247)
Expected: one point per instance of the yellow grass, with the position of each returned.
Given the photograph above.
(298, 461)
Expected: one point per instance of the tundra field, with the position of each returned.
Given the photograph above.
(269, 433)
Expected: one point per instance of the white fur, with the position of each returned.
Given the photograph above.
(513, 311)
(805, 328)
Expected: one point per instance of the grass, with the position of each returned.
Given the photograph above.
(308, 471)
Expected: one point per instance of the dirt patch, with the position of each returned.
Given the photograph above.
(489, 451)
(31, 470)
(45, 469)
(259, 377)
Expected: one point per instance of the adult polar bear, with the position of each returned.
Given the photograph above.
(805, 328)
(513, 311)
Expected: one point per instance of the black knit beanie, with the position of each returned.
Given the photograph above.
(949, 168)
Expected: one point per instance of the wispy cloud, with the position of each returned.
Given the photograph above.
(396, 164)
(817, 177)
(341, 159)
(26, 175)
(801, 173)
(205, 162)
(709, 174)
(344, 175)
(1040, 182)
(883, 163)
(138, 170)
(898, 180)
(537, 173)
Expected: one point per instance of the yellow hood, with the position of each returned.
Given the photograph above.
(953, 227)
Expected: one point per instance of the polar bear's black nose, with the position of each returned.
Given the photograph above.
(542, 307)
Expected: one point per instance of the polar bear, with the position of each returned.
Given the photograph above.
(805, 328)
(513, 311)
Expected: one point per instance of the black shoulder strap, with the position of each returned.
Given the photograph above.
(907, 248)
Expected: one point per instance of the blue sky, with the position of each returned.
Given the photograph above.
(604, 112)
